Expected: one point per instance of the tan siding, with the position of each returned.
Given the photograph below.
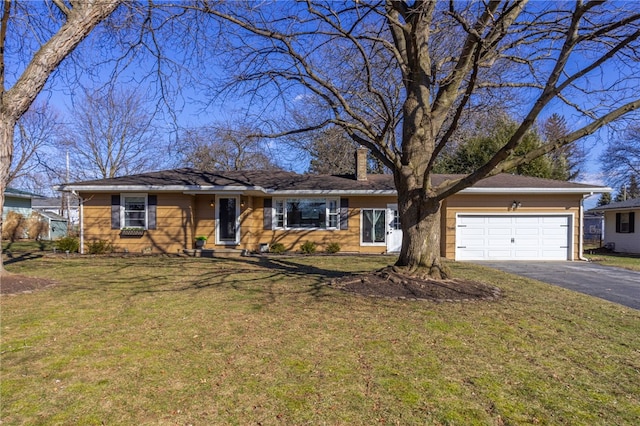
(254, 234)
(181, 217)
(174, 224)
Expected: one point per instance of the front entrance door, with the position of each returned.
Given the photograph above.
(394, 231)
(227, 221)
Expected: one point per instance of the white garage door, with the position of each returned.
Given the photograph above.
(514, 237)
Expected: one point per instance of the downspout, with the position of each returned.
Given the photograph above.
(81, 218)
(581, 231)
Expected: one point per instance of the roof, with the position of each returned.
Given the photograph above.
(52, 216)
(52, 203)
(17, 193)
(633, 203)
(282, 182)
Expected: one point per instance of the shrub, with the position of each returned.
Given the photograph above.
(277, 248)
(309, 247)
(14, 226)
(69, 244)
(333, 248)
(99, 247)
(37, 227)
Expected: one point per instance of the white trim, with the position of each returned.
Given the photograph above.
(386, 225)
(534, 190)
(570, 224)
(274, 220)
(237, 224)
(122, 208)
(209, 190)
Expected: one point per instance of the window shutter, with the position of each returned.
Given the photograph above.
(268, 213)
(631, 222)
(618, 222)
(115, 212)
(152, 204)
(344, 213)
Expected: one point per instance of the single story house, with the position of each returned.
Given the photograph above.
(18, 201)
(619, 224)
(501, 217)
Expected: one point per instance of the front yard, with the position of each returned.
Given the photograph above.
(619, 260)
(165, 340)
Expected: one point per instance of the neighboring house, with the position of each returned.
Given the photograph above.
(501, 217)
(619, 224)
(18, 201)
(60, 206)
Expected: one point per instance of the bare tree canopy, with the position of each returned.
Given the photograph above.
(111, 134)
(224, 147)
(35, 138)
(621, 159)
(400, 76)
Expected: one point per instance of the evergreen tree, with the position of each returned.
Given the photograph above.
(632, 190)
(568, 159)
(604, 199)
(476, 151)
(621, 195)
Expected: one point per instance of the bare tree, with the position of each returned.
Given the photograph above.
(621, 159)
(350, 57)
(111, 134)
(32, 60)
(36, 134)
(224, 147)
(332, 152)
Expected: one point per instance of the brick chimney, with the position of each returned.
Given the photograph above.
(361, 163)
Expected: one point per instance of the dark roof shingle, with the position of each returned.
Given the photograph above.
(278, 180)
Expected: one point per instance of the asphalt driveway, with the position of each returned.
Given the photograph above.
(613, 284)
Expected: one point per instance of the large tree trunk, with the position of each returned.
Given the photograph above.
(7, 127)
(420, 222)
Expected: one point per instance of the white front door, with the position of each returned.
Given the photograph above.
(394, 231)
(227, 226)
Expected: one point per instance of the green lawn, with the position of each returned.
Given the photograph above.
(177, 341)
(627, 261)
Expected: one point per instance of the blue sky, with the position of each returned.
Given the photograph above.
(197, 106)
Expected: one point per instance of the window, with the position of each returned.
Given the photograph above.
(625, 223)
(134, 211)
(374, 226)
(307, 213)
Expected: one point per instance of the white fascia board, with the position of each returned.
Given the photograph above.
(595, 190)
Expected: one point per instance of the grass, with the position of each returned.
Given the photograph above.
(162, 340)
(619, 260)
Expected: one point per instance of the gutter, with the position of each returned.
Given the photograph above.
(581, 230)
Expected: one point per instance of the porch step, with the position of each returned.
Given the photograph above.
(222, 253)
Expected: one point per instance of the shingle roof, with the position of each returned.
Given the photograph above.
(283, 181)
(620, 205)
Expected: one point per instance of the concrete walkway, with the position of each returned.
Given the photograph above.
(613, 284)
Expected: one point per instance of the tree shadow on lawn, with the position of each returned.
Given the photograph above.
(267, 272)
(252, 275)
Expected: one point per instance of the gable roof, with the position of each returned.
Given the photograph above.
(279, 182)
(633, 203)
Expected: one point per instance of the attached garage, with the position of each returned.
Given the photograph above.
(513, 237)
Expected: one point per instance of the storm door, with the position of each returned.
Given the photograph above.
(227, 221)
